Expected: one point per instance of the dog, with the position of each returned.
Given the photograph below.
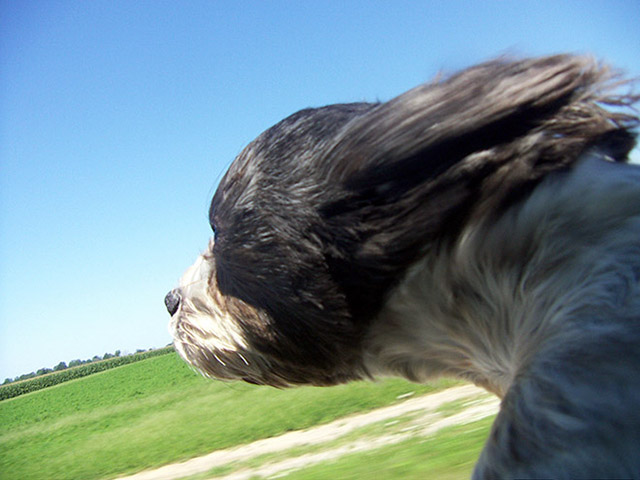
(484, 226)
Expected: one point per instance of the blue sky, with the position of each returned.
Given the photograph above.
(117, 119)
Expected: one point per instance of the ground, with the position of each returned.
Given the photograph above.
(291, 451)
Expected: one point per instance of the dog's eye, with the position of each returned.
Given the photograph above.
(212, 221)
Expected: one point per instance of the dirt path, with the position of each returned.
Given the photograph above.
(430, 422)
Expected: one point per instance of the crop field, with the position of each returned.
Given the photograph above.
(55, 378)
(157, 411)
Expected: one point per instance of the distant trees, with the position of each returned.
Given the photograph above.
(60, 366)
(26, 376)
(63, 366)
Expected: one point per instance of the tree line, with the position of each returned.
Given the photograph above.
(63, 366)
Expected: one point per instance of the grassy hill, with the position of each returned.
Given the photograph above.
(158, 411)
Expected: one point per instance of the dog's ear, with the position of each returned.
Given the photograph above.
(424, 132)
(415, 169)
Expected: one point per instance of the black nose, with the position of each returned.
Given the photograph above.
(172, 301)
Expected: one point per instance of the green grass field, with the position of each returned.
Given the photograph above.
(158, 411)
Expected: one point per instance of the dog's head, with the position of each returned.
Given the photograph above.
(319, 218)
(260, 303)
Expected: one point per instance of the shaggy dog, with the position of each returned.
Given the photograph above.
(484, 226)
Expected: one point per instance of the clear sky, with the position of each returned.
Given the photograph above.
(117, 119)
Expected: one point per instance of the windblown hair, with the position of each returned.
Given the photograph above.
(484, 225)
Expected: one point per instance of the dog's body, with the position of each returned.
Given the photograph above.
(542, 308)
(484, 227)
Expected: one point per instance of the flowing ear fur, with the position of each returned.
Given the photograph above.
(425, 131)
(417, 168)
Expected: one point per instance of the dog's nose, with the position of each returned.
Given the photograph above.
(172, 301)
